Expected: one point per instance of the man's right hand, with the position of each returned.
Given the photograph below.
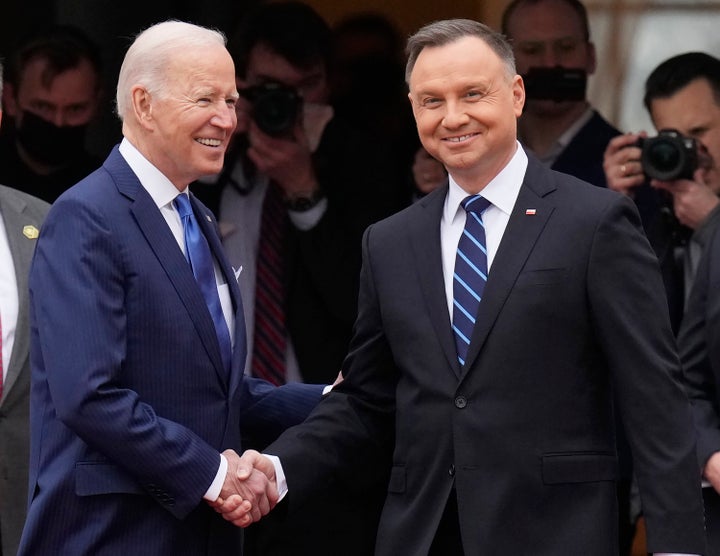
(712, 471)
(250, 488)
(621, 162)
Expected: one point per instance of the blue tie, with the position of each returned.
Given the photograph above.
(470, 273)
(201, 262)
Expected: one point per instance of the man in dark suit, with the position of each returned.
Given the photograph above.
(503, 437)
(20, 219)
(699, 344)
(558, 124)
(138, 396)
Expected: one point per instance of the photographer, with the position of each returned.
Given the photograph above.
(683, 94)
(299, 187)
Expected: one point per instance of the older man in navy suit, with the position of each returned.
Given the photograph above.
(138, 342)
(498, 405)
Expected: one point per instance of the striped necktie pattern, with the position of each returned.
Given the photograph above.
(470, 273)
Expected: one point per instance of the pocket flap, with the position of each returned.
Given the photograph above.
(103, 478)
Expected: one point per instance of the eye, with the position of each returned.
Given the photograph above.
(204, 101)
(474, 95)
(567, 46)
(231, 102)
(531, 48)
(431, 102)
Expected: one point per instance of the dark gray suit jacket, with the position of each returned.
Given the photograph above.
(574, 306)
(18, 210)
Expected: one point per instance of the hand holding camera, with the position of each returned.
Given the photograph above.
(278, 145)
(669, 161)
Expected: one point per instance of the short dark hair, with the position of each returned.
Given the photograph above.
(292, 30)
(679, 71)
(63, 47)
(576, 5)
(440, 33)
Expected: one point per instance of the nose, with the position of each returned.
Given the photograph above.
(59, 118)
(225, 117)
(549, 58)
(455, 115)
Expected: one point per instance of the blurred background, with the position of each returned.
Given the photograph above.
(631, 36)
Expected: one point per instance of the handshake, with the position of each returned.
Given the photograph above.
(250, 489)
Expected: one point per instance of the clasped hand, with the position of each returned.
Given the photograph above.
(250, 488)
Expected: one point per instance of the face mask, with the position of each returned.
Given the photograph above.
(48, 143)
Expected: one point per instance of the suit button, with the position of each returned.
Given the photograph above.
(451, 471)
(460, 402)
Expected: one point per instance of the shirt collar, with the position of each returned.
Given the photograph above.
(502, 191)
(161, 189)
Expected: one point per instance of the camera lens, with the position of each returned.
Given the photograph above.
(665, 156)
(669, 156)
(275, 107)
(275, 111)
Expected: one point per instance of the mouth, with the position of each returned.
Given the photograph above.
(460, 138)
(209, 142)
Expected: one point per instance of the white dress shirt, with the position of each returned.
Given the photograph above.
(502, 192)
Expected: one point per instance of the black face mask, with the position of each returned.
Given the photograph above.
(558, 84)
(48, 143)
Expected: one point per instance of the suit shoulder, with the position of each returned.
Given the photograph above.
(20, 198)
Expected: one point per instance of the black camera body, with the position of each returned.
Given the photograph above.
(669, 156)
(274, 107)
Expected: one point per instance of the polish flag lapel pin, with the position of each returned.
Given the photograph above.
(530, 212)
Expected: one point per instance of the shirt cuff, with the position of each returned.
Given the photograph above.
(279, 476)
(308, 219)
(213, 492)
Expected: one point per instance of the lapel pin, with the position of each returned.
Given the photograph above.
(208, 218)
(530, 212)
(31, 232)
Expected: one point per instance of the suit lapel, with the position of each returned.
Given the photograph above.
(21, 248)
(427, 253)
(209, 228)
(527, 220)
(163, 244)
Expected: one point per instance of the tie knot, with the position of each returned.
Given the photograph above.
(475, 203)
(182, 204)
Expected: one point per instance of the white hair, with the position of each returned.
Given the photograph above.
(147, 60)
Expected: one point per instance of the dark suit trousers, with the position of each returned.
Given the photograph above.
(711, 499)
(447, 540)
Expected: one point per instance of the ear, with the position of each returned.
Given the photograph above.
(141, 101)
(518, 92)
(8, 100)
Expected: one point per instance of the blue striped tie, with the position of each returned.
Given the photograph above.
(201, 262)
(470, 273)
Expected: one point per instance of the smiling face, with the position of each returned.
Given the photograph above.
(190, 123)
(466, 106)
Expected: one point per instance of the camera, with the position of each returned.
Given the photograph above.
(669, 156)
(274, 107)
(558, 84)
